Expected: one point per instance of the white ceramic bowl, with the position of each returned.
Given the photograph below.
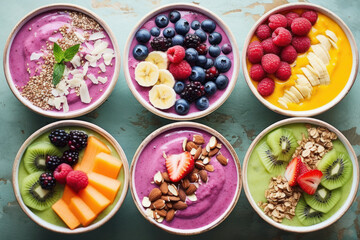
(53, 126)
(235, 62)
(60, 114)
(350, 81)
(354, 183)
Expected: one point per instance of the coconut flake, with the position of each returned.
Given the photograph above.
(76, 61)
(53, 39)
(99, 47)
(102, 67)
(80, 36)
(96, 36)
(102, 80)
(65, 105)
(75, 82)
(107, 58)
(85, 68)
(92, 59)
(36, 56)
(84, 93)
(55, 92)
(93, 79)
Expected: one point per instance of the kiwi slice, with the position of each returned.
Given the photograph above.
(307, 215)
(270, 162)
(324, 199)
(34, 196)
(337, 169)
(35, 156)
(282, 143)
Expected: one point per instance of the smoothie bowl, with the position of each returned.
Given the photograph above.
(185, 178)
(61, 61)
(70, 176)
(300, 174)
(181, 62)
(301, 59)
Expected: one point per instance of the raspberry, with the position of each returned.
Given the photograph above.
(290, 17)
(269, 46)
(301, 26)
(266, 87)
(263, 32)
(211, 73)
(301, 44)
(288, 54)
(277, 20)
(311, 16)
(181, 70)
(281, 37)
(176, 54)
(255, 52)
(61, 172)
(284, 71)
(202, 49)
(47, 181)
(256, 72)
(59, 138)
(77, 180)
(52, 162)
(270, 62)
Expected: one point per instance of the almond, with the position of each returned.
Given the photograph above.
(179, 205)
(199, 164)
(193, 178)
(159, 204)
(169, 205)
(155, 194)
(192, 189)
(208, 147)
(206, 160)
(195, 170)
(164, 188)
(146, 202)
(209, 168)
(174, 199)
(197, 153)
(165, 175)
(158, 178)
(170, 215)
(192, 197)
(161, 213)
(164, 155)
(149, 213)
(160, 219)
(184, 144)
(193, 151)
(190, 145)
(203, 176)
(212, 142)
(198, 139)
(185, 183)
(182, 194)
(173, 190)
(165, 198)
(204, 152)
(223, 160)
(219, 145)
(213, 152)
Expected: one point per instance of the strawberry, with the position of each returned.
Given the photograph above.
(179, 165)
(292, 171)
(303, 168)
(309, 181)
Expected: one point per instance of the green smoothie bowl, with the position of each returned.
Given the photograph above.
(70, 176)
(300, 174)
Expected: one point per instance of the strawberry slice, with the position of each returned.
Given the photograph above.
(310, 180)
(303, 168)
(292, 171)
(179, 165)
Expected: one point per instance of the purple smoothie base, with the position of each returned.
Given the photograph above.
(189, 16)
(213, 198)
(26, 42)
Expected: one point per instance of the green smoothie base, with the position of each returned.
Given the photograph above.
(49, 215)
(258, 178)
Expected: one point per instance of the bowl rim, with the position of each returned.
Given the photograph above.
(70, 123)
(232, 82)
(207, 129)
(344, 91)
(337, 215)
(60, 114)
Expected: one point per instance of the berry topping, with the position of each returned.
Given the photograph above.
(290, 17)
(303, 168)
(226, 48)
(263, 32)
(209, 63)
(191, 40)
(193, 91)
(281, 37)
(221, 82)
(257, 73)
(155, 31)
(201, 61)
(311, 16)
(61, 172)
(292, 171)
(70, 157)
(310, 180)
(301, 26)
(179, 87)
(195, 25)
(210, 88)
(176, 54)
(266, 87)
(143, 36)
(255, 52)
(202, 49)
(197, 74)
(301, 44)
(181, 70)
(77, 140)
(214, 51)
(182, 106)
(215, 38)
(182, 27)
(191, 55)
(161, 43)
(270, 62)
(211, 73)
(288, 54)
(202, 103)
(208, 25)
(179, 165)
(161, 21)
(277, 20)
(222, 64)
(47, 181)
(59, 138)
(284, 71)
(52, 162)
(174, 16)
(201, 34)
(269, 46)
(77, 180)
(140, 52)
(169, 32)
(178, 40)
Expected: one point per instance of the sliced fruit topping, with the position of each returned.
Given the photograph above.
(282, 143)
(77, 180)
(165, 77)
(310, 180)
(292, 171)
(323, 200)
(303, 168)
(158, 58)
(307, 215)
(179, 165)
(268, 159)
(162, 96)
(64, 212)
(146, 74)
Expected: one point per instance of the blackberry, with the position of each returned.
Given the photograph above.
(191, 41)
(70, 157)
(77, 140)
(211, 73)
(202, 49)
(52, 162)
(161, 43)
(193, 91)
(59, 138)
(47, 181)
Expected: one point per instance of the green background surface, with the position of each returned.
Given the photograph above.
(240, 119)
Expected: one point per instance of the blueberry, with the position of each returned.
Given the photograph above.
(215, 38)
(209, 63)
(221, 82)
(214, 51)
(143, 36)
(222, 63)
(155, 31)
(169, 32)
(140, 52)
(178, 40)
(174, 16)
(210, 88)
(208, 25)
(201, 34)
(191, 55)
(197, 74)
(161, 21)
(195, 25)
(226, 48)
(202, 103)
(179, 87)
(182, 106)
(182, 27)
(201, 61)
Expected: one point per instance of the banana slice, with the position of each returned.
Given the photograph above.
(146, 74)
(291, 96)
(324, 41)
(333, 44)
(331, 35)
(325, 78)
(303, 81)
(316, 63)
(158, 58)
(313, 71)
(296, 92)
(321, 53)
(165, 77)
(304, 90)
(283, 102)
(314, 80)
(162, 96)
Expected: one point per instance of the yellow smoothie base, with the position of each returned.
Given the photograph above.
(339, 69)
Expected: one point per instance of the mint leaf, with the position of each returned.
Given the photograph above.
(71, 52)
(59, 69)
(58, 53)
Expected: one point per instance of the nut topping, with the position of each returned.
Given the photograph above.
(158, 178)
(159, 204)
(155, 194)
(198, 139)
(203, 176)
(197, 153)
(191, 189)
(179, 205)
(209, 168)
(173, 190)
(212, 142)
(222, 160)
(165, 175)
(164, 188)
(146, 202)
